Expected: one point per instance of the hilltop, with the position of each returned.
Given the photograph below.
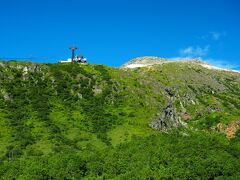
(151, 61)
(148, 119)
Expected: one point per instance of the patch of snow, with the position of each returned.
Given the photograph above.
(131, 66)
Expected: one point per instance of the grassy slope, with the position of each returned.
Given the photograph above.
(70, 120)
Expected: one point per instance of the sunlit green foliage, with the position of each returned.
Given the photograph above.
(66, 121)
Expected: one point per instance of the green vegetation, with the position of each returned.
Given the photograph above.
(72, 121)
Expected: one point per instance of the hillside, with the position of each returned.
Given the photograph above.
(159, 119)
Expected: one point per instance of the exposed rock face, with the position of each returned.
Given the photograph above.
(6, 96)
(167, 120)
(97, 90)
(27, 67)
(144, 61)
(149, 61)
(169, 91)
(24, 67)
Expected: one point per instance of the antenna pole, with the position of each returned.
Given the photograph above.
(73, 52)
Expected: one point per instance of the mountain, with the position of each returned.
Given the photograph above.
(152, 118)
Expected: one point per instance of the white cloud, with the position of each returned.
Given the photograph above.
(217, 35)
(214, 35)
(192, 51)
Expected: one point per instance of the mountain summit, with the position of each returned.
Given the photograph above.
(151, 61)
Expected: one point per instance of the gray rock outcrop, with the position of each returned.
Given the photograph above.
(167, 120)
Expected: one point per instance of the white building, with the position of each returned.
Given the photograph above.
(66, 61)
(79, 59)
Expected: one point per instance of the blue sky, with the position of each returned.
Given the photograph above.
(113, 32)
